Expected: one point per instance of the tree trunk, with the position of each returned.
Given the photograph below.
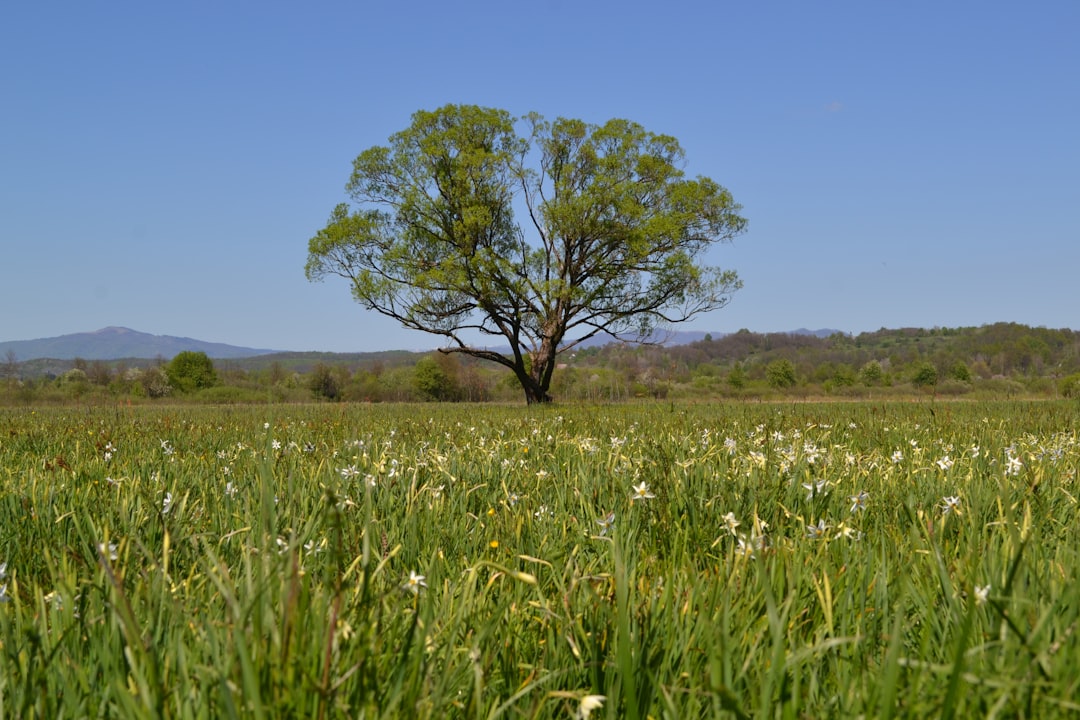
(536, 396)
(536, 391)
(536, 380)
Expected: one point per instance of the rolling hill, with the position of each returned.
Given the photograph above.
(114, 343)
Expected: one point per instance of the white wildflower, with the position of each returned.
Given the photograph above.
(744, 548)
(107, 550)
(731, 523)
(815, 488)
(641, 492)
(816, 532)
(414, 583)
(606, 522)
(1013, 465)
(950, 504)
(588, 704)
(848, 533)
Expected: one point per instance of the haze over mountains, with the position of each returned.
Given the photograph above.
(117, 343)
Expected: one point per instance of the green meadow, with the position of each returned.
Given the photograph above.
(910, 559)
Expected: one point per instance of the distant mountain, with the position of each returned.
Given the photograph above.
(115, 343)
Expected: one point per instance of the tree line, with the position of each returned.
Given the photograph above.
(999, 360)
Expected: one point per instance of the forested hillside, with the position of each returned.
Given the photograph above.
(1005, 357)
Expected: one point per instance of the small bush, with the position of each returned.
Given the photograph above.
(872, 374)
(190, 371)
(323, 382)
(780, 374)
(961, 372)
(154, 383)
(925, 375)
(1070, 386)
(952, 386)
(1000, 387)
(435, 378)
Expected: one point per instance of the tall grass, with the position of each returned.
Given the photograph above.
(793, 561)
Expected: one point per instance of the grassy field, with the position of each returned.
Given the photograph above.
(682, 561)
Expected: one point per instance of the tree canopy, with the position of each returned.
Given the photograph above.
(191, 370)
(611, 240)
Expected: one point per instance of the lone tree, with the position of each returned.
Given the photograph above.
(612, 238)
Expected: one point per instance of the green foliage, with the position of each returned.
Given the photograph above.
(613, 372)
(871, 374)
(1070, 386)
(230, 395)
(74, 376)
(960, 371)
(843, 376)
(191, 370)
(323, 382)
(924, 375)
(435, 378)
(611, 244)
(736, 377)
(154, 382)
(364, 386)
(780, 374)
(952, 386)
(99, 373)
(1002, 388)
(396, 385)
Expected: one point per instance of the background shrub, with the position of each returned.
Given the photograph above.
(190, 371)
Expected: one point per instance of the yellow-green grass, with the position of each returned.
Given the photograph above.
(811, 560)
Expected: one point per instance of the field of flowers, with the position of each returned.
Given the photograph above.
(810, 560)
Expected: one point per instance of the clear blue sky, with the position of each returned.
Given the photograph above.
(163, 165)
